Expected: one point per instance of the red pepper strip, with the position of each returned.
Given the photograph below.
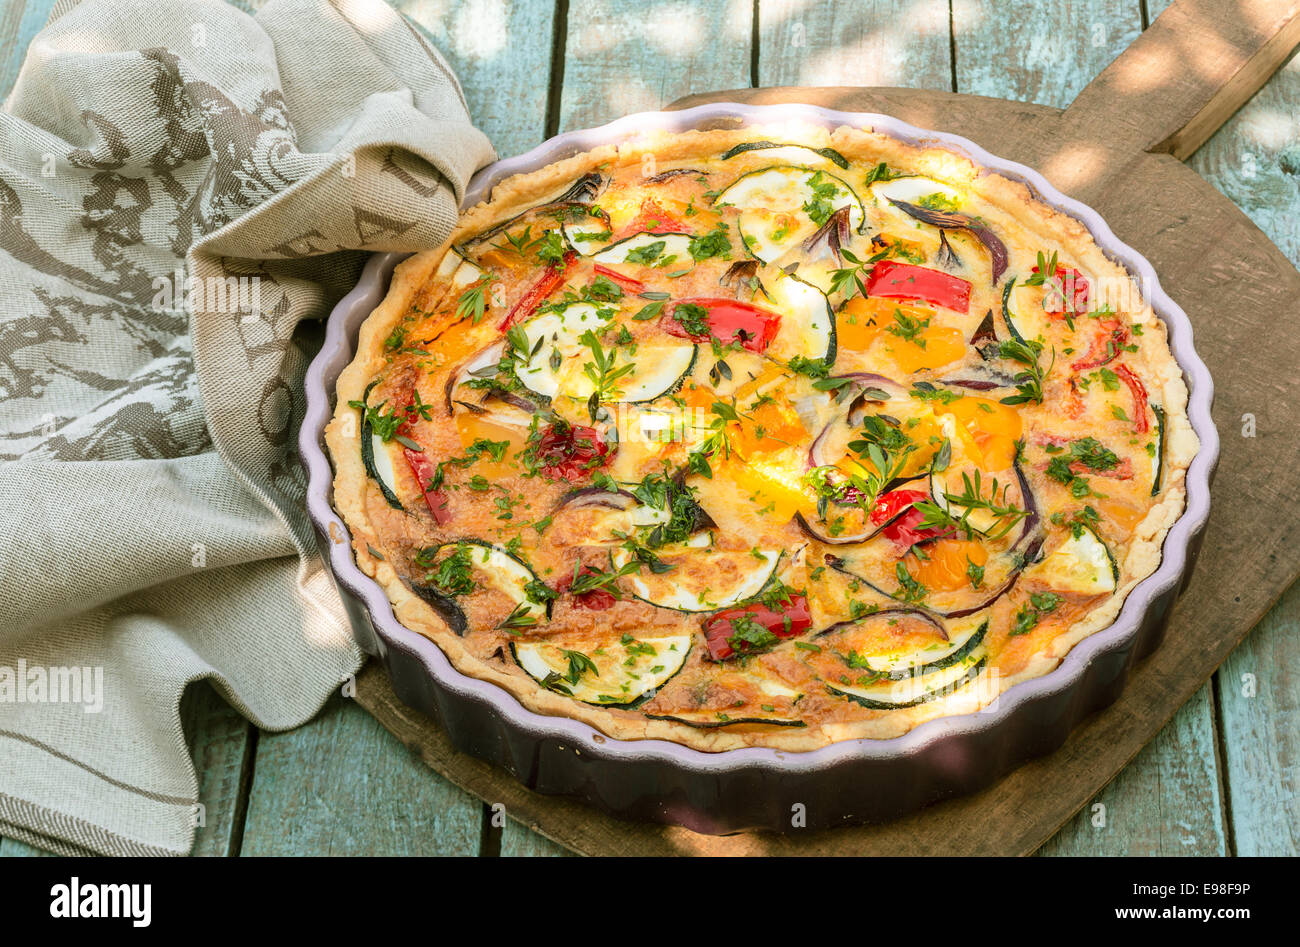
(1141, 424)
(1121, 471)
(570, 452)
(546, 284)
(1106, 346)
(628, 284)
(652, 219)
(596, 600)
(894, 280)
(903, 532)
(729, 320)
(422, 468)
(792, 618)
(1073, 403)
(1069, 296)
(425, 470)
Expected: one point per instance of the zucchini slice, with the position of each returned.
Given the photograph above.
(807, 320)
(768, 199)
(554, 340)
(962, 642)
(783, 151)
(459, 270)
(557, 357)
(713, 719)
(588, 235)
(701, 580)
(660, 368)
(1159, 459)
(377, 458)
(980, 519)
(1026, 321)
(499, 570)
(910, 690)
(379, 464)
(1081, 564)
(625, 672)
(913, 189)
(650, 249)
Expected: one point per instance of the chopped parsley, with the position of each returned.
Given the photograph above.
(715, 243)
(646, 255)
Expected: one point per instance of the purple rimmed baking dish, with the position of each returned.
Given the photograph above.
(843, 783)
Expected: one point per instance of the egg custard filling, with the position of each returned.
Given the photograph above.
(770, 437)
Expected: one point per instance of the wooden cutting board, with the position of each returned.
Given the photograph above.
(1119, 148)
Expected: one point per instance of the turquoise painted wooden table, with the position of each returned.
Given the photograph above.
(1219, 779)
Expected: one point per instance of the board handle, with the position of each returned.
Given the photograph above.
(1187, 73)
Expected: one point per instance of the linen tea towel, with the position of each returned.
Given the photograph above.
(182, 185)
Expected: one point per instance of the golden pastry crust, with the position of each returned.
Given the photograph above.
(1006, 206)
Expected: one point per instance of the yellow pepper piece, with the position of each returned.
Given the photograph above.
(945, 570)
(942, 346)
(990, 428)
(772, 486)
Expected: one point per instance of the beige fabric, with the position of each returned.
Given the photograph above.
(150, 496)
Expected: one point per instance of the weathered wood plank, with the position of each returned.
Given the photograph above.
(868, 43)
(20, 20)
(1038, 52)
(219, 740)
(501, 50)
(519, 840)
(1259, 691)
(1254, 160)
(341, 785)
(221, 743)
(1166, 802)
(11, 18)
(12, 848)
(626, 56)
(1197, 63)
(1047, 53)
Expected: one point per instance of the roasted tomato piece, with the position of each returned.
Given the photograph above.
(652, 219)
(748, 629)
(903, 530)
(1068, 294)
(1141, 423)
(593, 599)
(1106, 345)
(570, 451)
(625, 283)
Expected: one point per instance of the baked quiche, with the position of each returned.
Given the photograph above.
(765, 437)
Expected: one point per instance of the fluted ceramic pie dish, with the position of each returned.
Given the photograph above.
(733, 789)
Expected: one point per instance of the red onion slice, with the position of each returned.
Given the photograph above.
(951, 220)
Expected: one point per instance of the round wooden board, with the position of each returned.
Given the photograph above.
(1117, 148)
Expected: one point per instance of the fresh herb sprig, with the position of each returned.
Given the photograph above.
(473, 301)
(1029, 381)
(602, 372)
(908, 328)
(972, 498)
(1027, 618)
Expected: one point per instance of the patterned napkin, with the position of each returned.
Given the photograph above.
(185, 190)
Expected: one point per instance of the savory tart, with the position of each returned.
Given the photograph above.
(766, 437)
